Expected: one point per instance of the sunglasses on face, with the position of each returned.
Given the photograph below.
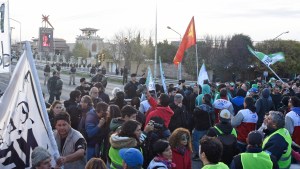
(185, 138)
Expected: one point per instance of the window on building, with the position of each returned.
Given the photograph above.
(94, 47)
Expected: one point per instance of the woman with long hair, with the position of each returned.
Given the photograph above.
(245, 122)
(55, 109)
(180, 142)
(113, 111)
(128, 137)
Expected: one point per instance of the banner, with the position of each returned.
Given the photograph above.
(202, 75)
(268, 60)
(162, 76)
(4, 38)
(187, 41)
(24, 122)
(150, 82)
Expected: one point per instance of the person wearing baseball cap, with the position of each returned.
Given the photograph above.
(254, 157)
(224, 128)
(132, 158)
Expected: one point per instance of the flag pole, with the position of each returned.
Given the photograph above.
(275, 74)
(29, 56)
(197, 60)
(155, 52)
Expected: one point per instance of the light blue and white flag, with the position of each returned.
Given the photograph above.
(24, 122)
(202, 75)
(5, 53)
(162, 76)
(150, 82)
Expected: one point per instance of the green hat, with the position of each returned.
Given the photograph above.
(255, 86)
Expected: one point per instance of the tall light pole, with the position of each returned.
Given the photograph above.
(179, 66)
(20, 28)
(280, 35)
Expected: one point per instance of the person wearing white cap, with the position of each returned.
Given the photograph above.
(227, 135)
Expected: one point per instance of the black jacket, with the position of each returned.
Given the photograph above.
(180, 117)
(130, 90)
(74, 110)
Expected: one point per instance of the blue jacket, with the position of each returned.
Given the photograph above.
(91, 127)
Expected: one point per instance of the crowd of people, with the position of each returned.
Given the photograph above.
(238, 124)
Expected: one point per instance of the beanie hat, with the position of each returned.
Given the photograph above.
(38, 155)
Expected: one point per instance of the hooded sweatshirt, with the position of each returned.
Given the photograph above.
(117, 143)
(263, 104)
(205, 90)
(163, 112)
(292, 124)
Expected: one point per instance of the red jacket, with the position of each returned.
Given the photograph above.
(182, 161)
(163, 112)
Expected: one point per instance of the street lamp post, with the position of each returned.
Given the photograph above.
(280, 35)
(179, 66)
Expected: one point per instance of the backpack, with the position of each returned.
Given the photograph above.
(229, 142)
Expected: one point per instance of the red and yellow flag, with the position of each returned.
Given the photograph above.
(187, 41)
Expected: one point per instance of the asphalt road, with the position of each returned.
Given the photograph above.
(5, 78)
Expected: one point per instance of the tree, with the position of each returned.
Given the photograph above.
(114, 52)
(166, 51)
(149, 49)
(80, 51)
(237, 53)
(132, 47)
(211, 50)
(137, 51)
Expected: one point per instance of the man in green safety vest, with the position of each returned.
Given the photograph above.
(254, 157)
(277, 140)
(210, 151)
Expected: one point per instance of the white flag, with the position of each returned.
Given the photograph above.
(4, 38)
(24, 122)
(202, 75)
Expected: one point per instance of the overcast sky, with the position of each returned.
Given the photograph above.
(260, 19)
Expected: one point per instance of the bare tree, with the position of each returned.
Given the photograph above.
(129, 46)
